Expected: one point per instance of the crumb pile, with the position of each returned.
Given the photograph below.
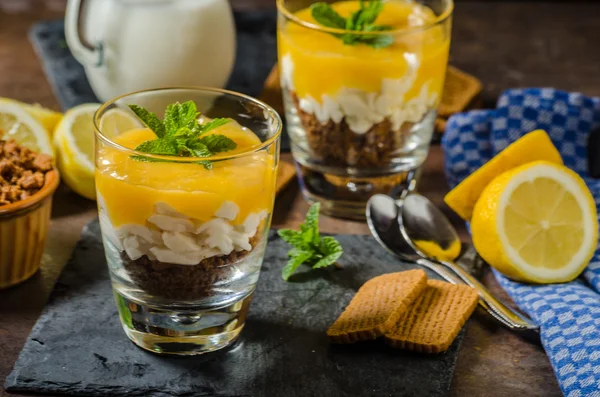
(22, 171)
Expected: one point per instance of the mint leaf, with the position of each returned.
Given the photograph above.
(183, 132)
(207, 164)
(292, 237)
(310, 228)
(198, 148)
(368, 14)
(218, 143)
(312, 217)
(331, 250)
(178, 134)
(158, 146)
(179, 115)
(308, 245)
(294, 262)
(381, 41)
(211, 125)
(361, 20)
(327, 16)
(149, 119)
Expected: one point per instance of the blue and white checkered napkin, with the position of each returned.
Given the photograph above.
(568, 314)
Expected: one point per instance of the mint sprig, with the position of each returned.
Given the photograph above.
(308, 245)
(362, 20)
(181, 134)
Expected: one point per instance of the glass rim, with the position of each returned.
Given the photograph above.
(394, 32)
(219, 157)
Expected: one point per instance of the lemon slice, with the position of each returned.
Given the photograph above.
(74, 140)
(534, 146)
(536, 223)
(17, 124)
(47, 117)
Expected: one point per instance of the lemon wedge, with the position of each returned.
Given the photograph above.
(536, 223)
(16, 123)
(74, 141)
(47, 117)
(533, 146)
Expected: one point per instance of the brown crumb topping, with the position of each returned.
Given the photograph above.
(22, 171)
(183, 282)
(335, 144)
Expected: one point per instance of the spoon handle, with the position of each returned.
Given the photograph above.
(510, 317)
(452, 278)
(440, 271)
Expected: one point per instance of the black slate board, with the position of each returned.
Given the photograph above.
(255, 56)
(77, 346)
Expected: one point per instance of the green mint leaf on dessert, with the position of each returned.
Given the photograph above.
(206, 164)
(165, 147)
(199, 148)
(381, 41)
(181, 134)
(327, 16)
(180, 115)
(308, 246)
(211, 125)
(368, 14)
(149, 119)
(360, 21)
(218, 143)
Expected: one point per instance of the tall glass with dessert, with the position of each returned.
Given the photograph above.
(185, 204)
(361, 83)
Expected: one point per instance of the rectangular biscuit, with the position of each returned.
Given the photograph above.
(435, 318)
(460, 89)
(377, 306)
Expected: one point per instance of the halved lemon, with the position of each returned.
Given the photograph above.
(74, 140)
(17, 124)
(536, 223)
(47, 117)
(533, 146)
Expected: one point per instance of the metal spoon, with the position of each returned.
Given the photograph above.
(382, 218)
(429, 234)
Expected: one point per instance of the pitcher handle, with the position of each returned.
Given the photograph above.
(86, 55)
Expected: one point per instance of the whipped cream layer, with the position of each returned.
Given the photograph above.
(362, 110)
(171, 237)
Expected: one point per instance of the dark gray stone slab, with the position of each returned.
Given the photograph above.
(256, 54)
(77, 346)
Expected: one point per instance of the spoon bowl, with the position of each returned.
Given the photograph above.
(427, 230)
(382, 218)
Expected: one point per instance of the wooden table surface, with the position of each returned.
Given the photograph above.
(506, 44)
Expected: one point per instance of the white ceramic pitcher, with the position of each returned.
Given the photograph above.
(130, 45)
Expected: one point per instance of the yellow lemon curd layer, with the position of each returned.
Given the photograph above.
(323, 64)
(130, 188)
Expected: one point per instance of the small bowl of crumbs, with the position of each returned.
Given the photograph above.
(27, 182)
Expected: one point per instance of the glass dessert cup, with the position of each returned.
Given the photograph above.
(360, 116)
(184, 241)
